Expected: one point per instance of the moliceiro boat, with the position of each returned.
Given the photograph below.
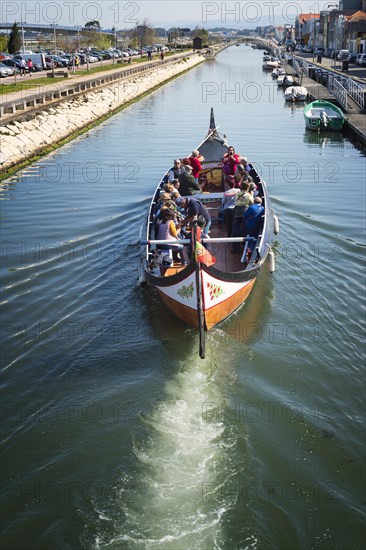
(217, 279)
(323, 115)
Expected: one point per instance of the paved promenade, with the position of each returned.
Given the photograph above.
(60, 87)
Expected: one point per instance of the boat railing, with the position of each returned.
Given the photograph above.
(204, 240)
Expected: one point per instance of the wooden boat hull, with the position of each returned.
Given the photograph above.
(220, 298)
(323, 115)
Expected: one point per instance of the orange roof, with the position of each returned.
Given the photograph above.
(307, 16)
(358, 16)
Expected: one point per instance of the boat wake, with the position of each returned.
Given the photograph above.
(176, 499)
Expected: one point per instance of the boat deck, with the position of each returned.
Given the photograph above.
(226, 258)
(317, 111)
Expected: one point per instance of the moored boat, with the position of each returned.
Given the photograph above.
(320, 115)
(296, 93)
(277, 72)
(216, 282)
(284, 80)
(270, 65)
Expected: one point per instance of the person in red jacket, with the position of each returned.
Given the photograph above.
(231, 161)
(195, 160)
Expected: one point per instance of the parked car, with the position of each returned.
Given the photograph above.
(4, 55)
(343, 55)
(51, 60)
(361, 59)
(13, 64)
(97, 54)
(92, 58)
(352, 58)
(6, 71)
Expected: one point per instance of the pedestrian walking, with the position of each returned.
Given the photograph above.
(30, 66)
(23, 65)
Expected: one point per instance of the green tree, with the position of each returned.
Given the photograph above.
(3, 43)
(202, 33)
(92, 25)
(15, 40)
(143, 35)
(103, 41)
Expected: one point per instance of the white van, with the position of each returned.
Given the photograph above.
(38, 60)
(343, 55)
(23, 52)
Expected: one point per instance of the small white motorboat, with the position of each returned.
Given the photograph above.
(288, 81)
(270, 65)
(278, 71)
(285, 80)
(296, 93)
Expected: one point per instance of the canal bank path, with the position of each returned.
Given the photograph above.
(59, 112)
(30, 98)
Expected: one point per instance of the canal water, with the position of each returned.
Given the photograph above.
(115, 434)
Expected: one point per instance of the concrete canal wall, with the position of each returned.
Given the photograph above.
(39, 132)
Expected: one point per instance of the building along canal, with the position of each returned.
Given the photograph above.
(115, 434)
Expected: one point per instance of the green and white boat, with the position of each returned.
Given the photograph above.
(323, 115)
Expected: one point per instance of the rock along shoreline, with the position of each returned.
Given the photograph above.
(36, 134)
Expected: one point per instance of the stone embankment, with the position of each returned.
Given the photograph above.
(39, 132)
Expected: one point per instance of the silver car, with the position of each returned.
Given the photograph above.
(5, 71)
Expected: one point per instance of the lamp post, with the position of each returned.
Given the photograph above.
(52, 60)
(115, 46)
(54, 39)
(23, 45)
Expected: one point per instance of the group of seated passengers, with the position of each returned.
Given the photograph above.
(173, 214)
(181, 167)
(239, 196)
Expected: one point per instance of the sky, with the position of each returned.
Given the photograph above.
(160, 13)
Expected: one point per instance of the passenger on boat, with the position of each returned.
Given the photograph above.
(172, 190)
(176, 184)
(249, 168)
(243, 200)
(230, 183)
(195, 160)
(168, 231)
(252, 218)
(253, 188)
(228, 205)
(194, 208)
(164, 202)
(240, 175)
(230, 162)
(188, 185)
(176, 170)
